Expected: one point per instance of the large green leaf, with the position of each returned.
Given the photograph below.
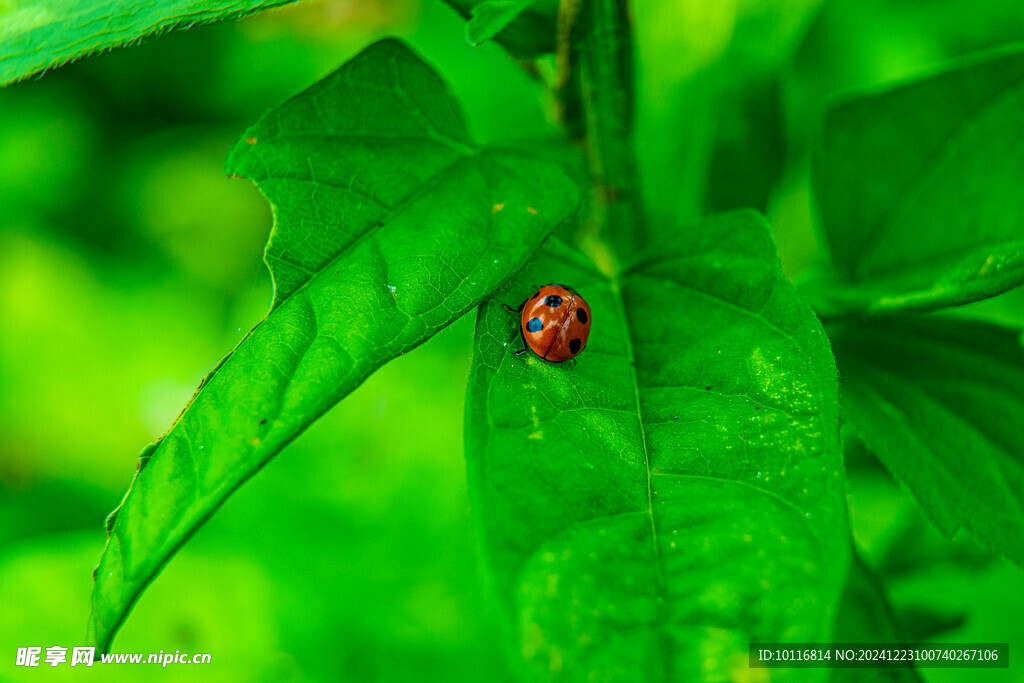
(939, 401)
(389, 225)
(679, 491)
(36, 35)
(919, 189)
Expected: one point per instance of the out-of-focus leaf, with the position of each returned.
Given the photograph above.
(749, 154)
(41, 34)
(679, 491)
(918, 624)
(526, 28)
(865, 616)
(491, 16)
(939, 401)
(688, 79)
(918, 547)
(389, 225)
(919, 189)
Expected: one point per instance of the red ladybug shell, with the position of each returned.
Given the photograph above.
(556, 323)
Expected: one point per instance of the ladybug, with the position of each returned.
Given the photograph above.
(555, 323)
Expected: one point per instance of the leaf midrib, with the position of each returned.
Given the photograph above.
(662, 599)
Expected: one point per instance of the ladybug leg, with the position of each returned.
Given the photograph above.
(525, 345)
(514, 310)
(574, 361)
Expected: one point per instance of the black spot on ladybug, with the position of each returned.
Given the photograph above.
(581, 315)
(574, 345)
(535, 295)
(535, 325)
(554, 301)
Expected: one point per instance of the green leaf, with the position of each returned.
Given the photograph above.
(679, 491)
(939, 401)
(389, 225)
(919, 189)
(526, 28)
(491, 16)
(36, 35)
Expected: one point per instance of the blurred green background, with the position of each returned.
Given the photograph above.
(130, 264)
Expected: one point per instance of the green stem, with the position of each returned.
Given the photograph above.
(600, 105)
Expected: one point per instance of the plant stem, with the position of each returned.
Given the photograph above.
(600, 108)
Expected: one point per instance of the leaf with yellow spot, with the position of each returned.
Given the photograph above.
(688, 491)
